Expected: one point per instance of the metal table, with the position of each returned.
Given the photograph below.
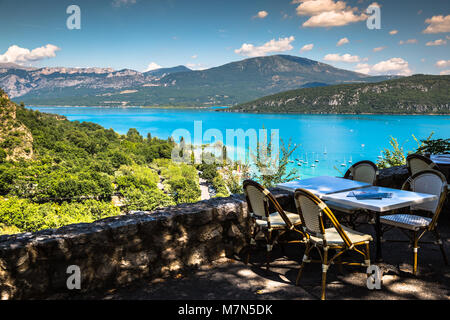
(321, 186)
(400, 199)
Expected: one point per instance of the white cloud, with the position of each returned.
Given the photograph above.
(410, 41)
(362, 68)
(342, 42)
(378, 49)
(443, 63)
(262, 14)
(120, 3)
(438, 24)
(17, 54)
(393, 32)
(393, 66)
(445, 73)
(316, 7)
(344, 58)
(194, 56)
(280, 45)
(196, 66)
(438, 42)
(152, 66)
(307, 47)
(334, 19)
(327, 13)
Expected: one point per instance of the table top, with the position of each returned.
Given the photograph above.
(400, 199)
(321, 186)
(440, 158)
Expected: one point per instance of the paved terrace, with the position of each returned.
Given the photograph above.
(232, 279)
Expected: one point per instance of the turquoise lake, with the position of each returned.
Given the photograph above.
(334, 140)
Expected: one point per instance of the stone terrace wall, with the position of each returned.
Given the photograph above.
(118, 250)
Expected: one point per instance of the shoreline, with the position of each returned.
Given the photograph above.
(225, 109)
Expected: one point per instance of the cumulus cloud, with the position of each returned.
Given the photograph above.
(327, 13)
(307, 47)
(334, 19)
(438, 24)
(362, 68)
(393, 32)
(335, 57)
(152, 66)
(445, 73)
(196, 66)
(393, 66)
(262, 14)
(443, 63)
(280, 45)
(410, 41)
(16, 54)
(316, 7)
(438, 42)
(342, 42)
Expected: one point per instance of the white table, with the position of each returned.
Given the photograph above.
(400, 199)
(441, 158)
(321, 186)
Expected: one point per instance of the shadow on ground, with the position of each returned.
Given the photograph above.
(231, 279)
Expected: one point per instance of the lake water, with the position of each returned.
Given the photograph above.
(332, 139)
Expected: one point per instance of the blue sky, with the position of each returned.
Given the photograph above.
(202, 34)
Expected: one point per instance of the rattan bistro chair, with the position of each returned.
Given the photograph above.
(341, 239)
(423, 217)
(272, 224)
(363, 171)
(417, 162)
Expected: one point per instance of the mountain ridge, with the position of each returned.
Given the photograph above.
(228, 84)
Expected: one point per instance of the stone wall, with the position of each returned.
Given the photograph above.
(118, 250)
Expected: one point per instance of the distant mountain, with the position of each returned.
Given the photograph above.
(229, 84)
(161, 72)
(418, 94)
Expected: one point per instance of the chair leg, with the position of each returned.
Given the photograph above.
(324, 272)
(339, 263)
(415, 253)
(253, 234)
(367, 256)
(269, 246)
(305, 260)
(441, 246)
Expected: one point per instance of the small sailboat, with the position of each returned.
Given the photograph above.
(325, 151)
(343, 164)
(350, 161)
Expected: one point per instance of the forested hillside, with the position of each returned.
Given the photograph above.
(419, 94)
(72, 171)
